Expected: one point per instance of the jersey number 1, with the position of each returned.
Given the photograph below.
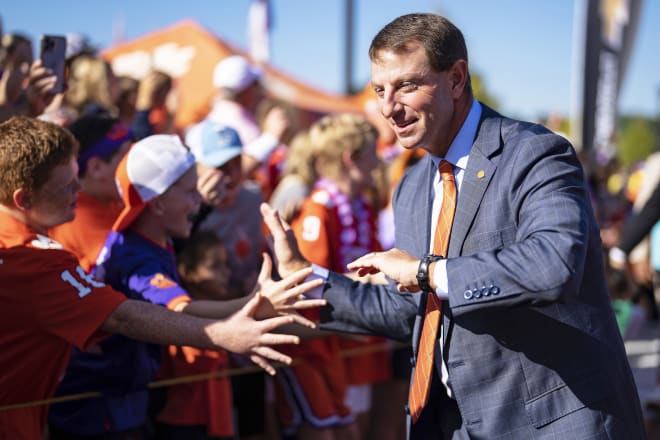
(83, 285)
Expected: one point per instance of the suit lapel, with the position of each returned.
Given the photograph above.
(479, 171)
(423, 195)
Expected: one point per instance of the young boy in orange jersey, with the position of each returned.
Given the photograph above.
(49, 303)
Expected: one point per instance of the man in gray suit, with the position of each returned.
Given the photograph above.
(528, 347)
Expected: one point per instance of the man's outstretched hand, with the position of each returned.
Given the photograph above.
(394, 263)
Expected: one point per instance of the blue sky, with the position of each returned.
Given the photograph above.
(523, 49)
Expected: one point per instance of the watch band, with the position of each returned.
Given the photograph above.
(423, 271)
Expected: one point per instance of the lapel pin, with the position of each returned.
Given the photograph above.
(481, 174)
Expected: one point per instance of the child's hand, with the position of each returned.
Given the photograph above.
(211, 184)
(253, 338)
(286, 296)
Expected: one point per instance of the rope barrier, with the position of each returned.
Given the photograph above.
(228, 372)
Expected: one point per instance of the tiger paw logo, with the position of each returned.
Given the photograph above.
(160, 281)
(242, 246)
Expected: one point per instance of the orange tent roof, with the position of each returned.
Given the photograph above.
(188, 53)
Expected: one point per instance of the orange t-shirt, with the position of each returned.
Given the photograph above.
(48, 304)
(205, 402)
(85, 234)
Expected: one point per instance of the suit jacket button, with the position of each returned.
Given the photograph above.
(485, 291)
(476, 293)
(413, 361)
(467, 294)
(407, 409)
(494, 290)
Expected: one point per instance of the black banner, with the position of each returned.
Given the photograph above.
(610, 28)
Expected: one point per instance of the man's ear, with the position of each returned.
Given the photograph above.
(458, 75)
(23, 199)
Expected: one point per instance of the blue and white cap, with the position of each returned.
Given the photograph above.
(216, 145)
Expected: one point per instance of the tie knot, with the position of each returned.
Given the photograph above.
(446, 170)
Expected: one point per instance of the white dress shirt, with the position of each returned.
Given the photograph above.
(458, 155)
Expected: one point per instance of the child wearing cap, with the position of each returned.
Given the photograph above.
(103, 142)
(157, 181)
(231, 209)
(51, 304)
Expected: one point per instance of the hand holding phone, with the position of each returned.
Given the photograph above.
(52, 54)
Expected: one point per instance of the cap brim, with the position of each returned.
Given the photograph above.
(220, 157)
(127, 216)
(133, 203)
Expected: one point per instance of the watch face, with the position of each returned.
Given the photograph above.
(423, 276)
(423, 271)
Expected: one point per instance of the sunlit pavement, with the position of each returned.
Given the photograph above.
(643, 348)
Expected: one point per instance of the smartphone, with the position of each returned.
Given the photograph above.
(52, 54)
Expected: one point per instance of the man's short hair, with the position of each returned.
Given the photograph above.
(443, 42)
(29, 150)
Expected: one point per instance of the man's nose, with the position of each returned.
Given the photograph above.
(388, 105)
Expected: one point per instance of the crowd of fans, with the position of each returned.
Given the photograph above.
(331, 180)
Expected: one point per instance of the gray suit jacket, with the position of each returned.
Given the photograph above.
(531, 343)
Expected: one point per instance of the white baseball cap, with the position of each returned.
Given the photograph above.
(236, 73)
(149, 168)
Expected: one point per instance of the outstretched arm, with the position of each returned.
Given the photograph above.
(279, 297)
(240, 333)
(353, 307)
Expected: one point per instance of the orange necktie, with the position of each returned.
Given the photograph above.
(419, 391)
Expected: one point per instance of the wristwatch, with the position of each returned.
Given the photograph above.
(423, 271)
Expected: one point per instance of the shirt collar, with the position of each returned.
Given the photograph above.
(14, 232)
(459, 150)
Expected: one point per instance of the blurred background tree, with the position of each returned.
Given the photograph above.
(480, 91)
(637, 140)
